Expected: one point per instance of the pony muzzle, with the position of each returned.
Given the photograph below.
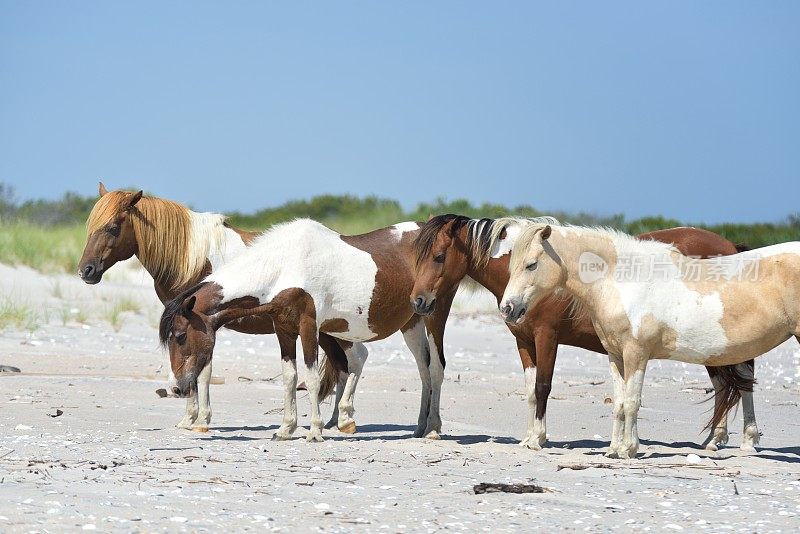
(512, 311)
(184, 386)
(91, 272)
(423, 306)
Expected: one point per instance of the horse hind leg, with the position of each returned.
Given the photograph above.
(718, 437)
(289, 368)
(750, 435)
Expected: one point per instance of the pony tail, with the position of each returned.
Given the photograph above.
(734, 381)
(332, 361)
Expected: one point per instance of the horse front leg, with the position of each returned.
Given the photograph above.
(288, 344)
(635, 367)
(417, 342)
(617, 368)
(190, 415)
(308, 340)
(435, 325)
(527, 355)
(203, 397)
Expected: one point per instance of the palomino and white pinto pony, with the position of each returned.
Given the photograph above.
(310, 280)
(179, 247)
(454, 249)
(648, 301)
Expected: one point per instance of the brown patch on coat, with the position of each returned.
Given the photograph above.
(333, 326)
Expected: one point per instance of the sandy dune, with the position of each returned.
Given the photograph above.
(113, 461)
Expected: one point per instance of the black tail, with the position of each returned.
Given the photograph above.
(740, 247)
(734, 381)
(334, 362)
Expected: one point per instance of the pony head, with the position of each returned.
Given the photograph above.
(441, 261)
(110, 236)
(534, 271)
(188, 330)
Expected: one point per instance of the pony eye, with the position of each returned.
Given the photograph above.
(113, 230)
(531, 266)
(439, 258)
(181, 338)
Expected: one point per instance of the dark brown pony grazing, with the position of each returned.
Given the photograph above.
(451, 248)
(178, 247)
(308, 279)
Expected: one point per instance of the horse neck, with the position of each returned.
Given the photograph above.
(174, 270)
(571, 248)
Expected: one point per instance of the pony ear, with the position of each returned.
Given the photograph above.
(546, 231)
(135, 198)
(430, 216)
(102, 189)
(188, 305)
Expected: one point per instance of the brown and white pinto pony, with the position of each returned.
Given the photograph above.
(718, 311)
(309, 280)
(452, 248)
(178, 247)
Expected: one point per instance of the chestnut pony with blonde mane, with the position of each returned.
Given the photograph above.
(453, 249)
(179, 247)
(717, 311)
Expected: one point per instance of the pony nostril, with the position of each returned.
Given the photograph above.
(419, 303)
(88, 270)
(176, 390)
(522, 312)
(506, 310)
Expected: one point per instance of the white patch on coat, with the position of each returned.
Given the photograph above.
(694, 317)
(400, 228)
(307, 255)
(206, 235)
(505, 245)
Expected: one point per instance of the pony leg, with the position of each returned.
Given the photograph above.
(356, 357)
(191, 413)
(289, 368)
(750, 435)
(414, 336)
(634, 380)
(435, 325)
(203, 400)
(617, 367)
(719, 434)
(546, 350)
(528, 357)
(191, 406)
(308, 339)
(340, 386)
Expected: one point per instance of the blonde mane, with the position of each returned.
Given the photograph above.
(624, 244)
(484, 253)
(173, 242)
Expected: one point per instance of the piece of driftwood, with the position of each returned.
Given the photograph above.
(491, 487)
(9, 369)
(638, 465)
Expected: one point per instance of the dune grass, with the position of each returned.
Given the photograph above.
(49, 249)
(117, 308)
(18, 315)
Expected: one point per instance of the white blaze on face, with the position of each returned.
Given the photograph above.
(400, 228)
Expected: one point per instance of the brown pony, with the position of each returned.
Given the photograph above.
(309, 279)
(178, 247)
(451, 248)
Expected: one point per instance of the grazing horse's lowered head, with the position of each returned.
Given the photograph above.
(110, 234)
(188, 330)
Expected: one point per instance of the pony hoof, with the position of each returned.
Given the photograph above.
(185, 424)
(713, 447)
(746, 447)
(612, 453)
(418, 433)
(314, 437)
(280, 437)
(348, 428)
(199, 429)
(433, 435)
(531, 444)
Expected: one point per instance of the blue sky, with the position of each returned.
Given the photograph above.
(686, 109)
